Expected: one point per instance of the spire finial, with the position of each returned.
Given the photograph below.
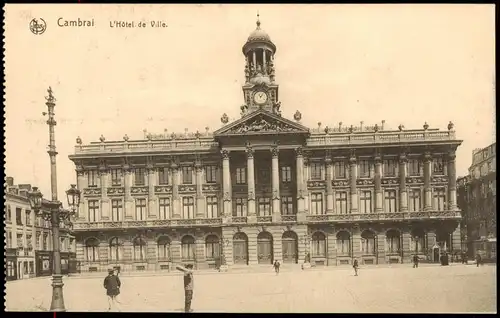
(258, 20)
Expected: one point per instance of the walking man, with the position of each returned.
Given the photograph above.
(188, 285)
(276, 266)
(415, 261)
(355, 265)
(478, 259)
(112, 285)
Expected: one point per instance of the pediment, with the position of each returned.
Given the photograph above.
(262, 122)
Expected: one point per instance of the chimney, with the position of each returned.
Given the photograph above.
(25, 186)
(10, 181)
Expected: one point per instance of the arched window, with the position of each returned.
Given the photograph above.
(418, 241)
(188, 248)
(368, 243)
(393, 241)
(115, 249)
(318, 247)
(164, 248)
(139, 249)
(212, 247)
(92, 250)
(343, 243)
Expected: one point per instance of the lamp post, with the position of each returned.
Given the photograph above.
(52, 210)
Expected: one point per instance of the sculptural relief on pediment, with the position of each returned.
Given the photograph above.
(262, 124)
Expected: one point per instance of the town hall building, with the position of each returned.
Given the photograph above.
(265, 188)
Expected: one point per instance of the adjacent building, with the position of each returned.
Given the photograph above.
(477, 200)
(28, 237)
(264, 187)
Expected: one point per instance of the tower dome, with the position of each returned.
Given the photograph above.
(259, 39)
(259, 35)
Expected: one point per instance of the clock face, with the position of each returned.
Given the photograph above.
(260, 97)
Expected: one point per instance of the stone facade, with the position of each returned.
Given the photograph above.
(265, 187)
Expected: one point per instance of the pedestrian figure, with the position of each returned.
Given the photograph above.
(112, 285)
(478, 259)
(464, 258)
(188, 285)
(415, 261)
(355, 265)
(276, 266)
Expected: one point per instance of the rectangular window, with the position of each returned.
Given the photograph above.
(390, 168)
(317, 203)
(212, 207)
(20, 241)
(390, 201)
(241, 175)
(364, 169)
(44, 243)
(162, 176)
(340, 169)
(9, 213)
(211, 174)
(116, 209)
(264, 175)
(188, 208)
(264, 206)
(37, 242)
(28, 217)
(19, 216)
(116, 177)
(366, 202)
(93, 210)
(164, 206)
(140, 176)
(440, 199)
(93, 178)
(140, 209)
(316, 169)
(187, 175)
(415, 200)
(341, 202)
(287, 205)
(414, 167)
(8, 239)
(240, 207)
(286, 174)
(438, 166)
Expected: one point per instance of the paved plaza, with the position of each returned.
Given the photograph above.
(399, 288)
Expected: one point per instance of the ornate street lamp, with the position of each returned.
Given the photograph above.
(52, 210)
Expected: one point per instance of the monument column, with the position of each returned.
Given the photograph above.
(200, 199)
(353, 188)
(275, 183)
(452, 181)
(403, 197)
(250, 182)
(176, 204)
(299, 162)
(329, 187)
(226, 183)
(427, 181)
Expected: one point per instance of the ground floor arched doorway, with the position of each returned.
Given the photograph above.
(290, 247)
(265, 248)
(240, 248)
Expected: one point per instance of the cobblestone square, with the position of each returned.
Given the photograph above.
(399, 288)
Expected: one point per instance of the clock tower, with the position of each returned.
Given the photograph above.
(259, 91)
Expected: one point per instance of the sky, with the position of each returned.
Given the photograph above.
(405, 64)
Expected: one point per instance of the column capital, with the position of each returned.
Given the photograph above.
(150, 168)
(328, 161)
(299, 152)
(275, 151)
(427, 156)
(352, 157)
(403, 158)
(80, 172)
(198, 167)
(126, 169)
(451, 155)
(225, 154)
(249, 151)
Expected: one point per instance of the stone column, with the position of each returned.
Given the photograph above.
(329, 187)
(129, 203)
(299, 162)
(200, 198)
(105, 208)
(80, 185)
(251, 183)
(403, 194)
(176, 200)
(452, 182)
(226, 183)
(353, 188)
(427, 181)
(305, 190)
(378, 184)
(275, 183)
(152, 211)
